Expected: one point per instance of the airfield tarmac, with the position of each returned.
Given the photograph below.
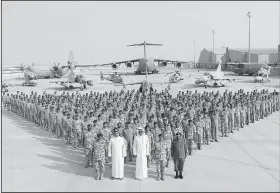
(34, 160)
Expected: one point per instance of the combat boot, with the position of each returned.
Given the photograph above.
(176, 177)
(181, 175)
(101, 175)
(162, 176)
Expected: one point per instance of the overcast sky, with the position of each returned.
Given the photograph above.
(98, 32)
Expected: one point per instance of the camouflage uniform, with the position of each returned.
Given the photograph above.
(243, 116)
(199, 132)
(207, 128)
(99, 155)
(161, 152)
(237, 118)
(88, 147)
(190, 132)
(224, 122)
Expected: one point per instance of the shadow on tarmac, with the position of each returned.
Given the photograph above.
(66, 158)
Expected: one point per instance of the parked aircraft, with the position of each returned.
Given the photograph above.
(244, 68)
(56, 71)
(72, 78)
(175, 76)
(115, 78)
(214, 78)
(262, 75)
(4, 87)
(29, 79)
(144, 63)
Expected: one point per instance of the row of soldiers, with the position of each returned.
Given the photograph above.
(86, 120)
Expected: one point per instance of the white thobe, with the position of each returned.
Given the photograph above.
(141, 150)
(117, 151)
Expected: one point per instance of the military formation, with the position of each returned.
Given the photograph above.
(86, 120)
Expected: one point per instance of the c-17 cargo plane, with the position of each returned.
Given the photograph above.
(146, 65)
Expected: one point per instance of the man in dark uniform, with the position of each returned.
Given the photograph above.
(179, 154)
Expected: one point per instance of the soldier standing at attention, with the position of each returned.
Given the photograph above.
(224, 121)
(88, 145)
(179, 154)
(189, 135)
(168, 138)
(151, 141)
(237, 116)
(207, 127)
(199, 130)
(99, 154)
(106, 134)
(231, 118)
(161, 153)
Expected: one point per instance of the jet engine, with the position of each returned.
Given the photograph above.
(90, 82)
(178, 65)
(114, 66)
(163, 64)
(128, 64)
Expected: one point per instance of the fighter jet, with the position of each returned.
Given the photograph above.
(214, 78)
(71, 79)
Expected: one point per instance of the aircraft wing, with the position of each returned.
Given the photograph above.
(227, 79)
(107, 64)
(169, 61)
(61, 81)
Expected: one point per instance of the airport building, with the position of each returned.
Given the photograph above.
(265, 55)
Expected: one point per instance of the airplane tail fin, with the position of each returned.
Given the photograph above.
(227, 56)
(219, 69)
(101, 76)
(147, 44)
(71, 57)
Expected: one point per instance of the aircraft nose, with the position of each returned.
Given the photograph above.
(33, 81)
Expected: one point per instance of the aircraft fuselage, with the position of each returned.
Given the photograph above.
(146, 64)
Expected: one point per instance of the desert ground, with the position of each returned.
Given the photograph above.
(34, 160)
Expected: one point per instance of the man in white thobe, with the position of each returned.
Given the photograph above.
(117, 150)
(141, 151)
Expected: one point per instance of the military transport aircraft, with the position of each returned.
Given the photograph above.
(214, 78)
(72, 78)
(244, 68)
(145, 64)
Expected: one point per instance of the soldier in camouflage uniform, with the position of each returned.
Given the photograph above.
(242, 115)
(106, 134)
(207, 127)
(199, 130)
(162, 151)
(189, 135)
(99, 154)
(88, 145)
(168, 138)
(224, 121)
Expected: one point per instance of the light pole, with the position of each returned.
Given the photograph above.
(249, 54)
(213, 46)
